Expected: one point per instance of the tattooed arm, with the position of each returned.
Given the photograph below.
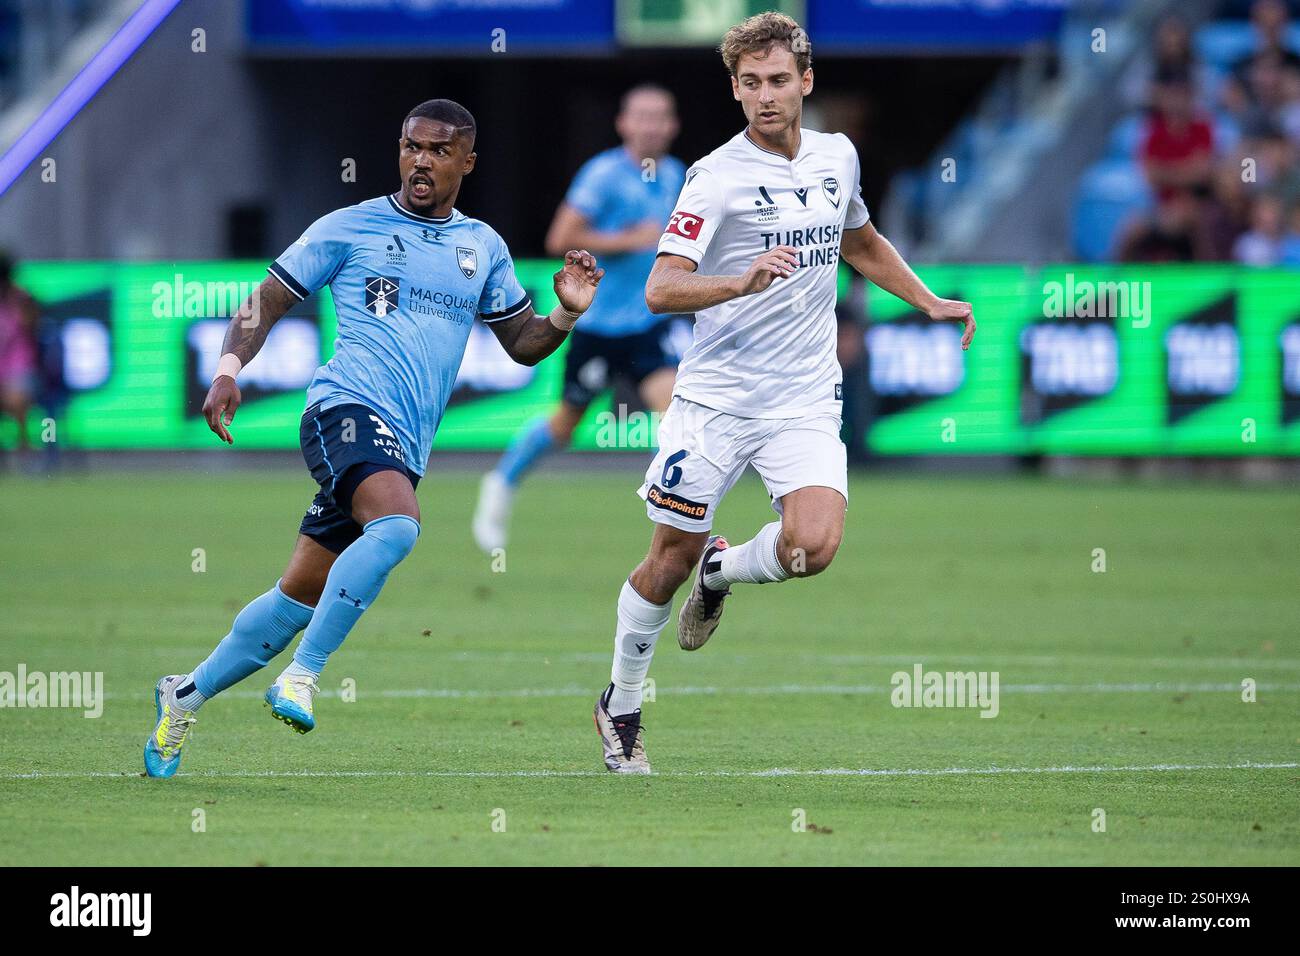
(245, 335)
(528, 337)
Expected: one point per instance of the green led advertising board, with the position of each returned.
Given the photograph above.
(1101, 360)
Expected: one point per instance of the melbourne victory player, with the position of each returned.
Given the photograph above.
(752, 249)
(408, 273)
(616, 207)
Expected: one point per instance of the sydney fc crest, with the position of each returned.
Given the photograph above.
(467, 259)
(381, 295)
(831, 190)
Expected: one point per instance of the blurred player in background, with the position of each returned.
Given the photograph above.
(409, 274)
(18, 316)
(752, 249)
(616, 208)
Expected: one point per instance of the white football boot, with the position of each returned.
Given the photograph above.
(703, 609)
(162, 751)
(492, 514)
(621, 738)
(290, 699)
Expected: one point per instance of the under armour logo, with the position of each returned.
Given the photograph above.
(641, 648)
(343, 593)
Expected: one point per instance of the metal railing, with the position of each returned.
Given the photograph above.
(33, 36)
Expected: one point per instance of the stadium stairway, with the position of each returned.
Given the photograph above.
(43, 53)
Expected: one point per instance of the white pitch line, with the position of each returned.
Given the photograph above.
(774, 772)
(932, 659)
(456, 693)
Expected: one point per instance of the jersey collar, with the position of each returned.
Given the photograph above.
(402, 210)
(763, 149)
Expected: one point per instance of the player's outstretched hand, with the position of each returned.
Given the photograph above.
(951, 310)
(779, 261)
(575, 283)
(220, 406)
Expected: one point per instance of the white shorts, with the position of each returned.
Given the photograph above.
(703, 452)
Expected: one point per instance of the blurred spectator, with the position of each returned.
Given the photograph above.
(52, 392)
(18, 317)
(1224, 215)
(1177, 149)
(1268, 242)
(1272, 99)
(1168, 235)
(1171, 52)
(1270, 20)
(1271, 156)
(1289, 114)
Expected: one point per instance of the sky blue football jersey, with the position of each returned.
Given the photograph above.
(614, 193)
(406, 289)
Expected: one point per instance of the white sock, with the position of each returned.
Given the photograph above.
(639, 624)
(754, 562)
(193, 700)
(297, 670)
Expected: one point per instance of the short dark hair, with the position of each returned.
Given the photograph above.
(654, 88)
(446, 111)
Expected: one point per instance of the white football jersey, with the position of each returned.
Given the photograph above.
(771, 354)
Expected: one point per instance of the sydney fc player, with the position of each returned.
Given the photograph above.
(408, 273)
(617, 208)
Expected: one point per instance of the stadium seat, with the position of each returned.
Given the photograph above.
(1126, 137)
(1227, 133)
(1223, 43)
(1110, 193)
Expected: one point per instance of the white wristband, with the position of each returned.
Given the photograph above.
(228, 365)
(563, 319)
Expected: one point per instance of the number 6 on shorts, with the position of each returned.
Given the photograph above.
(672, 474)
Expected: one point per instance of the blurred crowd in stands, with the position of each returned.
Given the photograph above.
(1219, 147)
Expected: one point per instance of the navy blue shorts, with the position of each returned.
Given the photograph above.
(593, 361)
(343, 446)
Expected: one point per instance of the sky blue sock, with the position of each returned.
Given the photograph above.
(261, 630)
(353, 584)
(529, 445)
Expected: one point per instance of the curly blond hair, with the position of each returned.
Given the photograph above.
(759, 33)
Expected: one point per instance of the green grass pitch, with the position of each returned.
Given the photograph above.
(470, 739)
